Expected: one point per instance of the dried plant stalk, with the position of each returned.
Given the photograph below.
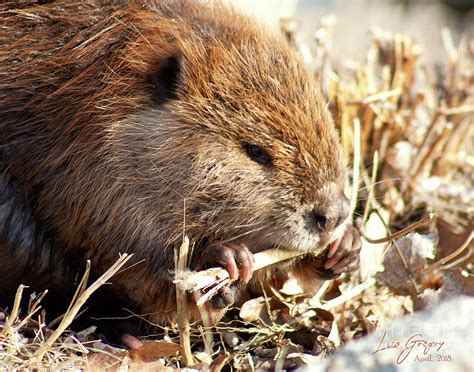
(74, 310)
(14, 313)
(181, 259)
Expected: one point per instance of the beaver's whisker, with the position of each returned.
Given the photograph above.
(379, 182)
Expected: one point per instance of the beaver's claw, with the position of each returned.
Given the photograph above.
(237, 260)
(343, 255)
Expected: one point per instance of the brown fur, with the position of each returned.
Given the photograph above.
(105, 164)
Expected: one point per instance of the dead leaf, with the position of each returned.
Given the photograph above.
(383, 307)
(219, 362)
(154, 350)
(458, 282)
(451, 237)
(246, 362)
(203, 357)
(324, 314)
(148, 367)
(303, 359)
(306, 337)
(97, 362)
(404, 265)
(291, 287)
(252, 310)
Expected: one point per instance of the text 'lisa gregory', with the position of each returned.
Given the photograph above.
(415, 342)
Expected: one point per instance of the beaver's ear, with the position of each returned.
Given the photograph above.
(166, 78)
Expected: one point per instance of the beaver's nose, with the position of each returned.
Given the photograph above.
(329, 216)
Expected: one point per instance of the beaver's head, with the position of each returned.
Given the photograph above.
(236, 142)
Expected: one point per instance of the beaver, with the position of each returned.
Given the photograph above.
(125, 125)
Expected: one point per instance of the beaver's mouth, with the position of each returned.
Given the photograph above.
(328, 241)
(339, 231)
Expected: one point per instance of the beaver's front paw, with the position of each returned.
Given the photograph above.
(343, 255)
(237, 260)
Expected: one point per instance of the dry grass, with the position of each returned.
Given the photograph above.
(47, 348)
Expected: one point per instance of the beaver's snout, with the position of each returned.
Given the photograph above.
(327, 216)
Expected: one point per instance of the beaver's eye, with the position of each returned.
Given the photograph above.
(256, 153)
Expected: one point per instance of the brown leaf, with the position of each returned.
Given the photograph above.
(405, 264)
(451, 238)
(97, 362)
(147, 367)
(219, 362)
(253, 310)
(154, 350)
(324, 314)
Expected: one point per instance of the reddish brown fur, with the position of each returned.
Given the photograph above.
(106, 169)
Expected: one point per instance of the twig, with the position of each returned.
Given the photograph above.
(381, 96)
(406, 230)
(181, 259)
(82, 285)
(316, 299)
(14, 313)
(281, 359)
(273, 256)
(457, 262)
(356, 165)
(28, 317)
(35, 301)
(421, 148)
(457, 110)
(370, 195)
(353, 292)
(449, 257)
(433, 146)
